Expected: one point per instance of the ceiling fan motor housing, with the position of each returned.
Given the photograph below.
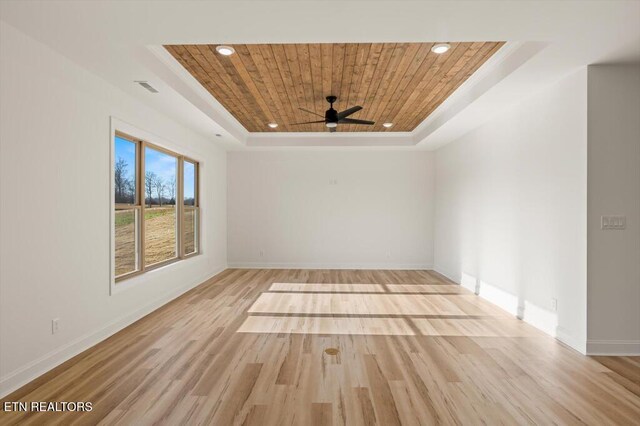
(331, 115)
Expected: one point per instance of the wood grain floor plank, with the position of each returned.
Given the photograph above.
(249, 347)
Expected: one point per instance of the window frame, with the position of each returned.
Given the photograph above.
(137, 206)
(195, 207)
(125, 131)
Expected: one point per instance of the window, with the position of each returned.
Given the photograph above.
(161, 215)
(157, 210)
(127, 207)
(190, 206)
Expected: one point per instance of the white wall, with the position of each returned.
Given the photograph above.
(55, 226)
(511, 210)
(378, 215)
(614, 189)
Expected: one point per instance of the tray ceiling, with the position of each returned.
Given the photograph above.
(401, 83)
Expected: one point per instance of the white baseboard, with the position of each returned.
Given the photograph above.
(613, 347)
(374, 266)
(16, 379)
(446, 274)
(541, 319)
(568, 339)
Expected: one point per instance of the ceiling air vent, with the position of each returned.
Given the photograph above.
(147, 86)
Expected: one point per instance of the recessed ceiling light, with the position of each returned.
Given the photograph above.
(440, 48)
(225, 50)
(218, 135)
(273, 125)
(387, 125)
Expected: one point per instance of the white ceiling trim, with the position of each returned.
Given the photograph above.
(288, 139)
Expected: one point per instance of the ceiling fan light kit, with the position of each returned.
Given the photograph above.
(332, 117)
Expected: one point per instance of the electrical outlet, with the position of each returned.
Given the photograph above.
(613, 222)
(554, 305)
(333, 181)
(261, 253)
(55, 325)
(389, 253)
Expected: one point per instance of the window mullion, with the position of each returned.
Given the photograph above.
(196, 185)
(196, 202)
(141, 189)
(180, 206)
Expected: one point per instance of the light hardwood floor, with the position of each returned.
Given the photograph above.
(248, 347)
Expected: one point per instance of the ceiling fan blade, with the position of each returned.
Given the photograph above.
(311, 112)
(355, 121)
(307, 122)
(332, 129)
(348, 112)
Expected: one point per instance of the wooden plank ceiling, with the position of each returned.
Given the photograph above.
(401, 83)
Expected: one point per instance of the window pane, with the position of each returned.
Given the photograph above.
(126, 227)
(189, 183)
(190, 230)
(160, 214)
(125, 171)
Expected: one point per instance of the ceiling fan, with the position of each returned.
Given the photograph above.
(333, 117)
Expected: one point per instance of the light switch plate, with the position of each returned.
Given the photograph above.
(613, 222)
